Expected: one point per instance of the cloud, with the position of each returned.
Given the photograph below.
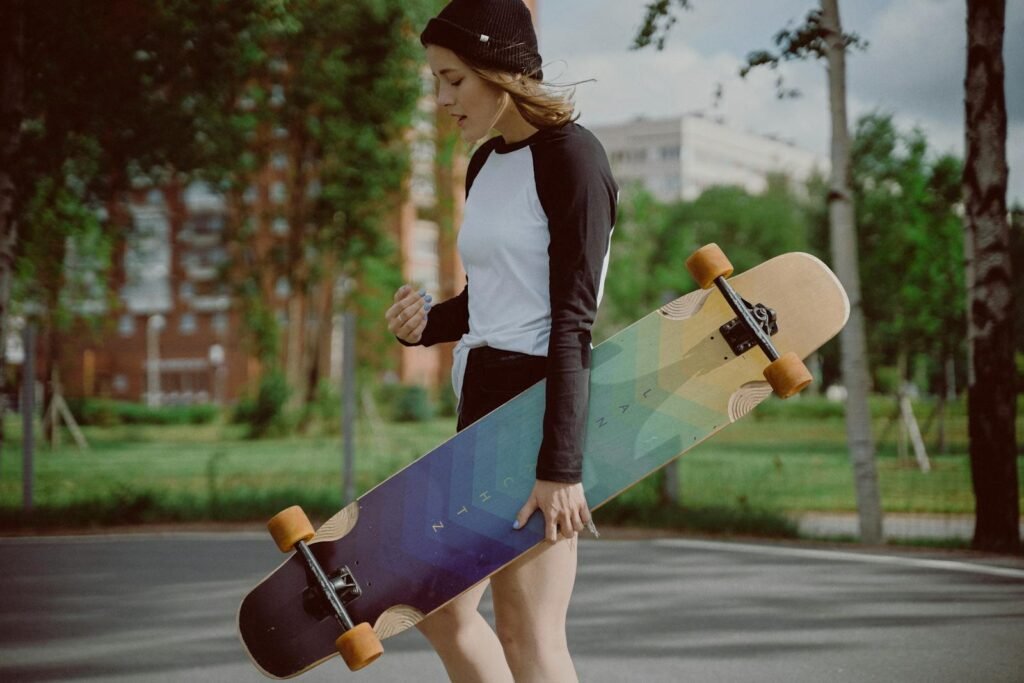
(914, 67)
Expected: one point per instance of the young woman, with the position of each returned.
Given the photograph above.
(539, 212)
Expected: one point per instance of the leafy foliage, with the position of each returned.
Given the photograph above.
(911, 243)
(265, 415)
(652, 242)
(658, 21)
(799, 43)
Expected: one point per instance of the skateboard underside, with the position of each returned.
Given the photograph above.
(444, 523)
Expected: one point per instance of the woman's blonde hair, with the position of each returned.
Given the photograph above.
(543, 105)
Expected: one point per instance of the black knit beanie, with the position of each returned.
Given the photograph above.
(496, 34)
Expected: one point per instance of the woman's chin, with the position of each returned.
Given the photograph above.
(469, 136)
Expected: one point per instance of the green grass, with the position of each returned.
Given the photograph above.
(788, 458)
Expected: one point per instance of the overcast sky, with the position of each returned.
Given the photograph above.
(913, 68)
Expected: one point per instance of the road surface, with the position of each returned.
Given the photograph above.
(161, 607)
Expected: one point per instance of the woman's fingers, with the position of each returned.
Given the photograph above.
(407, 317)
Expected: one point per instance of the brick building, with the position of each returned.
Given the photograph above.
(174, 335)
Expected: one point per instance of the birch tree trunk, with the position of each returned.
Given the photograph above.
(843, 236)
(991, 395)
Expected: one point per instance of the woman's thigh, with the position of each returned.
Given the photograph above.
(531, 595)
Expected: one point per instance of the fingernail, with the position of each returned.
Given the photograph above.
(429, 298)
(426, 307)
(515, 524)
(423, 291)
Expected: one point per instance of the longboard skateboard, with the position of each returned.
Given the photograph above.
(444, 523)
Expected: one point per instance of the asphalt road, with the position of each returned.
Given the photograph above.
(162, 608)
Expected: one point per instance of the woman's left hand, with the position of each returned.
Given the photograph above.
(564, 507)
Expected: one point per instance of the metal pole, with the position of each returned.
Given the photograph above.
(670, 484)
(348, 406)
(154, 324)
(28, 409)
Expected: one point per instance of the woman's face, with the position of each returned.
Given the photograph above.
(477, 105)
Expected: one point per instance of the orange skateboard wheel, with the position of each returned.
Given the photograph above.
(290, 526)
(788, 375)
(359, 646)
(708, 263)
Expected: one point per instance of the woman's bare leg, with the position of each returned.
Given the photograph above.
(531, 599)
(466, 643)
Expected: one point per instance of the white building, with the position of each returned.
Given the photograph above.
(680, 157)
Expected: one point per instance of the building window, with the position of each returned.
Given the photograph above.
(187, 324)
(278, 192)
(120, 384)
(126, 325)
(313, 189)
(283, 288)
(279, 161)
(279, 226)
(277, 95)
(220, 323)
(670, 153)
(186, 290)
(630, 156)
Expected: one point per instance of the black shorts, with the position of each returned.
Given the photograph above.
(493, 377)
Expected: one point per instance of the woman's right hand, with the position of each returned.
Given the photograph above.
(407, 317)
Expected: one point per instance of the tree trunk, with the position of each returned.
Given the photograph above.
(843, 237)
(318, 340)
(450, 184)
(12, 110)
(991, 395)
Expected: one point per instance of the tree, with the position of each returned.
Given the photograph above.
(95, 94)
(330, 97)
(653, 239)
(822, 37)
(911, 241)
(992, 395)
(12, 110)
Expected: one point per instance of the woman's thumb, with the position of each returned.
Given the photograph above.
(524, 513)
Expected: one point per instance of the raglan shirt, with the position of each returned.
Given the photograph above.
(534, 243)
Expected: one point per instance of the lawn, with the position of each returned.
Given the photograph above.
(785, 459)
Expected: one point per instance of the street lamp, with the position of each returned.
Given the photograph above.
(217, 361)
(153, 327)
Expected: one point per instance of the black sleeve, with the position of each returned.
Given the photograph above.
(446, 322)
(578, 193)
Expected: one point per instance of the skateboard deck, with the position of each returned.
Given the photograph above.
(444, 523)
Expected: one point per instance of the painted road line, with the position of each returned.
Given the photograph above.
(842, 556)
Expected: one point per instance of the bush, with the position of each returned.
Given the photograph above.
(413, 405)
(447, 405)
(326, 403)
(108, 413)
(405, 403)
(265, 414)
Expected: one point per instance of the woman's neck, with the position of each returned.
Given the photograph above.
(512, 126)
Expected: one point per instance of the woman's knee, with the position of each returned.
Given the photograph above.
(448, 621)
(454, 618)
(526, 639)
